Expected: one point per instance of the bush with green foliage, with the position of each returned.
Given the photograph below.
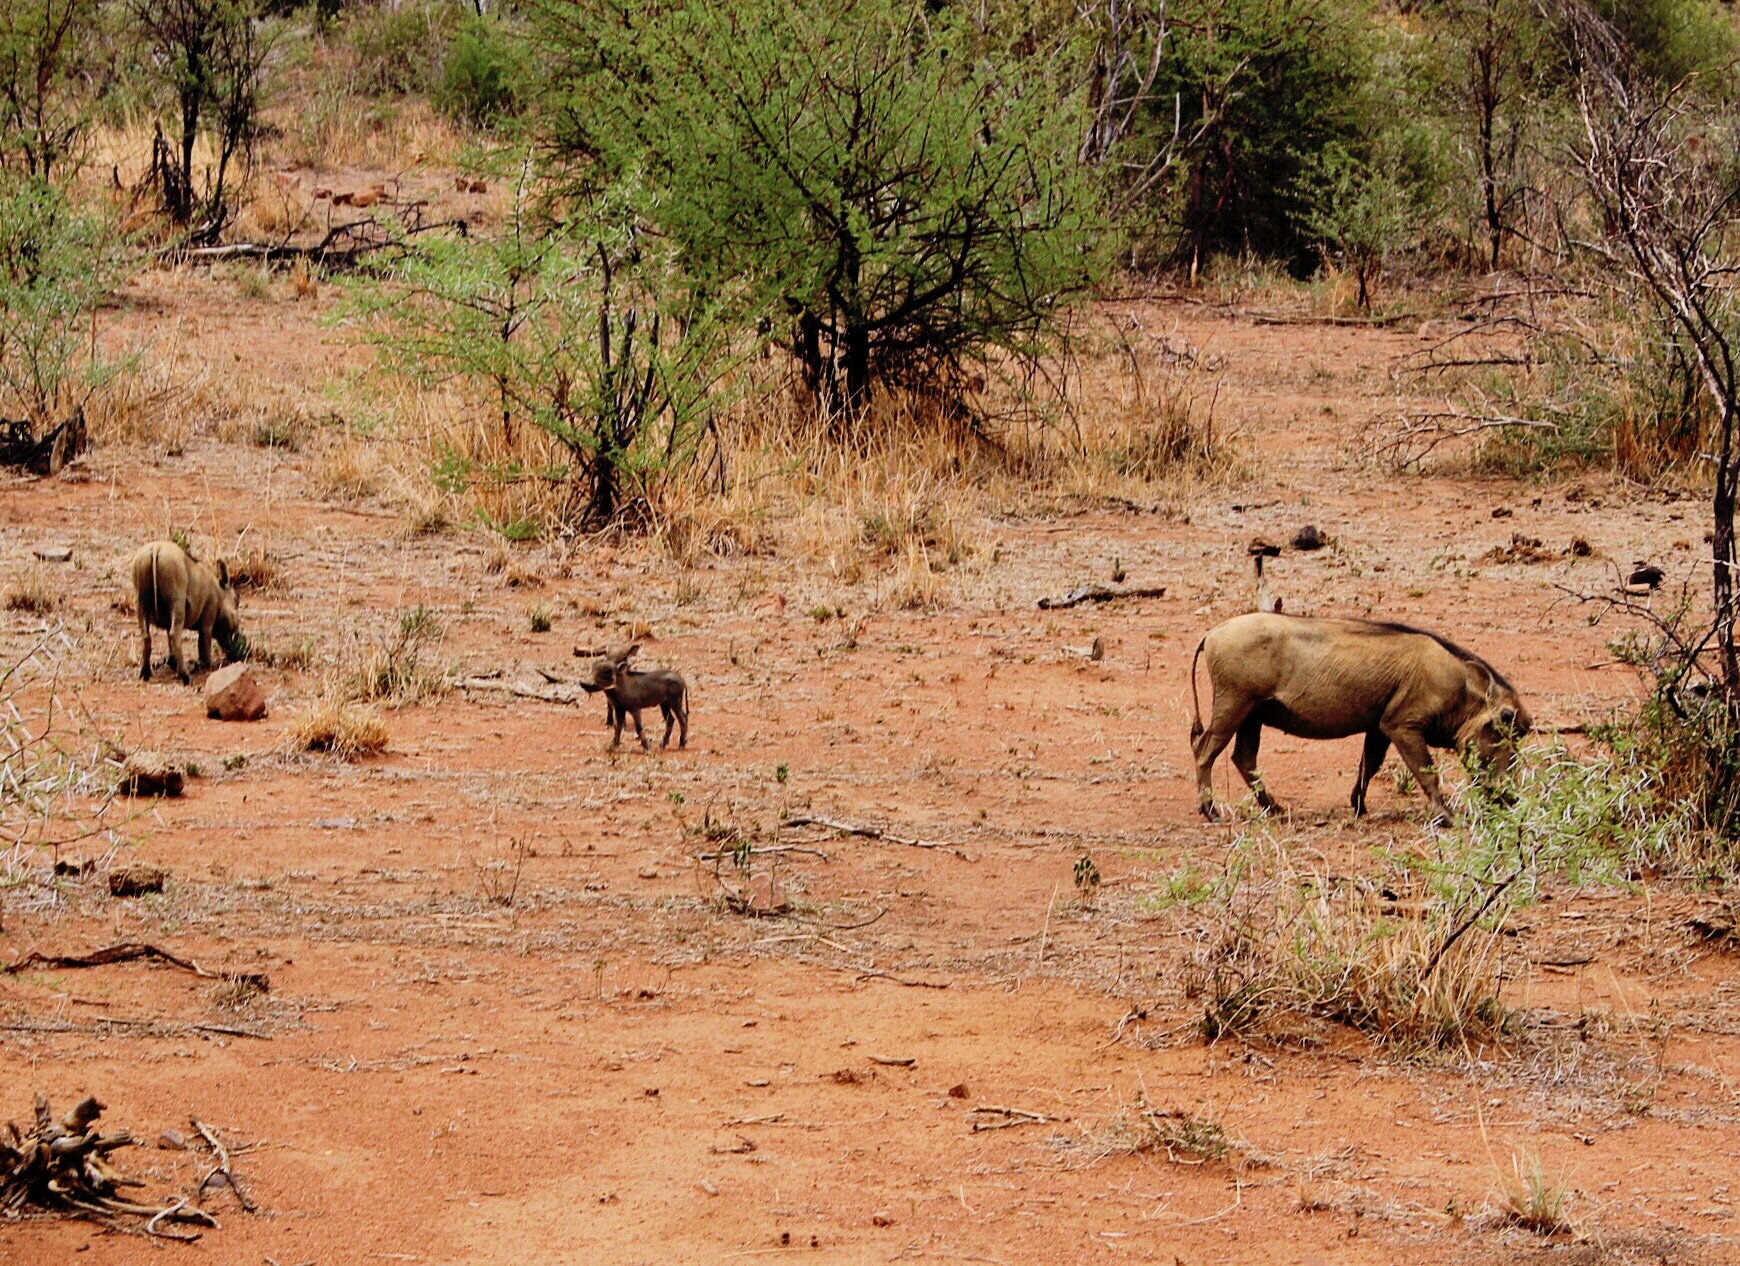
(1672, 39)
(868, 177)
(1259, 96)
(46, 69)
(481, 74)
(58, 262)
(402, 48)
(575, 327)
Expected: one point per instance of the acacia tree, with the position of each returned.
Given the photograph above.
(210, 55)
(571, 326)
(895, 195)
(1668, 201)
(45, 107)
(1498, 67)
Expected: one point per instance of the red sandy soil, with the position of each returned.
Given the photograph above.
(511, 1020)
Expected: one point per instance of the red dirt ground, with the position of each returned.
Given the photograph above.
(612, 1066)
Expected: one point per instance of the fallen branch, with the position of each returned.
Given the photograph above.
(171, 1027)
(868, 832)
(126, 952)
(1011, 1117)
(1283, 318)
(898, 980)
(344, 246)
(1100, 593)
(524, 692)
(222, 1166)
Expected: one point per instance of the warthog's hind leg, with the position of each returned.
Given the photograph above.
(1207, 746)
(1244, 758)
(1377, 746)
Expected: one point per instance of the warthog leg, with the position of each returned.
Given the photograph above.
(1208, 745)
(1411, 747)
(1244, 758)
(1377, 746)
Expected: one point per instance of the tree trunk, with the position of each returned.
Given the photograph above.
(857, 358)
(1722, 559)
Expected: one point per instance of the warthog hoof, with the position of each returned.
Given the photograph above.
(1215, 812)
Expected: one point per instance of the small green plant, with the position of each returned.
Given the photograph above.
(398, 671)
(782, 773)
(1531, 1198)
(539, 617)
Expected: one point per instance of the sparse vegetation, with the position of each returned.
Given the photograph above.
(348, 730)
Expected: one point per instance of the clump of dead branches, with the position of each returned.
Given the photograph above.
(61, 1166)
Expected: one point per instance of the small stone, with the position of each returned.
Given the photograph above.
(136, 879)
(881, 1219)
(151, 774)
(53, 553)
(232, 694)
(958, 1090)
(172, 1141)
(335, 824)
(1308, 538)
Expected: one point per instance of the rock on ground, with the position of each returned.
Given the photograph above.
(232, 694)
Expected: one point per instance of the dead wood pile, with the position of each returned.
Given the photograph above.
(61, 1166)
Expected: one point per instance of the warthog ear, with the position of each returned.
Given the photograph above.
(223, 569)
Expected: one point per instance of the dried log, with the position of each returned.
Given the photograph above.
(23, 449)
(1100, 593)
(126, 952)
(345, 245)
(524, 692)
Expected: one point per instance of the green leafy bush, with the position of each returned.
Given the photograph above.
(481, 75)
(892, 196)
(57, 263)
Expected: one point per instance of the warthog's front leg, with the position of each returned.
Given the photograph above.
(1411, 747)
(205, 650)
(1377, 746)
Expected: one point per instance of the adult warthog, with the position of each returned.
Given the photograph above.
(1328, 679)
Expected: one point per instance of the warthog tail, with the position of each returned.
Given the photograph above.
(155, 600)
(1195, 707)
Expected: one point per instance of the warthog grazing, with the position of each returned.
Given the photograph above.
(628, 691)
(175, 591)
(1327, 679)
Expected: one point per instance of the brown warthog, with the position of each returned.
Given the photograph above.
(1327, 679)
(175, 591)
(628, 691)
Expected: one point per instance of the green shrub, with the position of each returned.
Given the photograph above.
(403, 49)
(481, 74)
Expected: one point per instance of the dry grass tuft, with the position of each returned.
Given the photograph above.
(396, 670)
(1283, 941)
(346, 729)
(256, 568)
(348, 468)
(30, 592)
